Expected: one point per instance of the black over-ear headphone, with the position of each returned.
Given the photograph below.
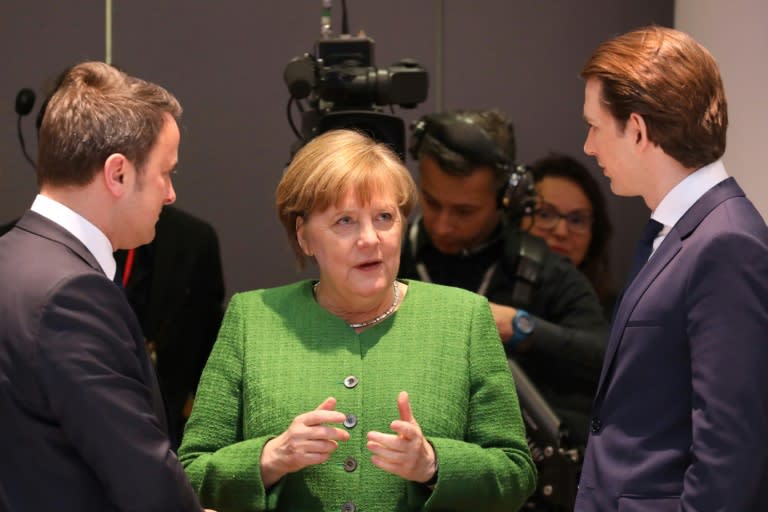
(460, 134)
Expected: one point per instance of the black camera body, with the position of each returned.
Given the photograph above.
(345, 89)
(342, 74)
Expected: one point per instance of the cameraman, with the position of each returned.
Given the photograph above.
(548, 316)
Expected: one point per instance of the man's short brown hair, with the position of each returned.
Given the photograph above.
(97, 111)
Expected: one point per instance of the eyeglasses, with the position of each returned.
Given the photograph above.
(547, 217)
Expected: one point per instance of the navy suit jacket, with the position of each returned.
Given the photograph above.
(681, 412)
(81, 419)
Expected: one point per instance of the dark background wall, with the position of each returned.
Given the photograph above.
(225, 60)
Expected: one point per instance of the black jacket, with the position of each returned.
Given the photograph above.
(82, 424)
(176, 288)
(568, 344)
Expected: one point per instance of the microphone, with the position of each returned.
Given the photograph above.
(25, 100)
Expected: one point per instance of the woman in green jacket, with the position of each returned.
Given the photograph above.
(355, 392)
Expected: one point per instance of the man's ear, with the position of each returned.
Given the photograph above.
(300, 224)
(638, 129)
(116, 171)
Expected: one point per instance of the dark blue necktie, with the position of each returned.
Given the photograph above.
(644, 248)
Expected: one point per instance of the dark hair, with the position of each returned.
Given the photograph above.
(97, 110)
(596, 264)
(495, 125)
(673, 82)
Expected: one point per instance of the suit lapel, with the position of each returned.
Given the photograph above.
(38, 225)
(632, 295)
(668, 249)
(35, 223)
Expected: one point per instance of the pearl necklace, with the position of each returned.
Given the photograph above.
(383, 316)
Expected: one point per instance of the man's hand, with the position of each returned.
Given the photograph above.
(503, 316)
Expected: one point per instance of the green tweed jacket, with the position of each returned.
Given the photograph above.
(279, 354)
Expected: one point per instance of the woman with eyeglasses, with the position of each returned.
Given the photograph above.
(571, 216)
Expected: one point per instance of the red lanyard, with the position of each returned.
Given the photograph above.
(128, 266)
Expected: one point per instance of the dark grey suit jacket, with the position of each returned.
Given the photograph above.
(681, 413)
(81, 419)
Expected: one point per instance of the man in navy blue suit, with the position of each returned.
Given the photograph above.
(680, 420)
(82, 422)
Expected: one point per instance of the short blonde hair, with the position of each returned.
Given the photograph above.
(329, 166)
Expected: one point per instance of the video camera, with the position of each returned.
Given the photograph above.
(558, 465)
(342, 75)
(344, 89)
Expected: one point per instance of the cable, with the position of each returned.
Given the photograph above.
(290, 118)
(23, 146)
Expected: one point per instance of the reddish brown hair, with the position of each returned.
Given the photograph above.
(673, 82)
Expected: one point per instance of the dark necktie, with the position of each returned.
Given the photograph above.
(644, 248)
(118, 279)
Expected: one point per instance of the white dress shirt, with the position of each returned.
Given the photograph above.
(683, 195)
(91, 236)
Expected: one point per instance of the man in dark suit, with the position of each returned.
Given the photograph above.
(680, 418)
(175, 285)
(83, 426)
(176, 288)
